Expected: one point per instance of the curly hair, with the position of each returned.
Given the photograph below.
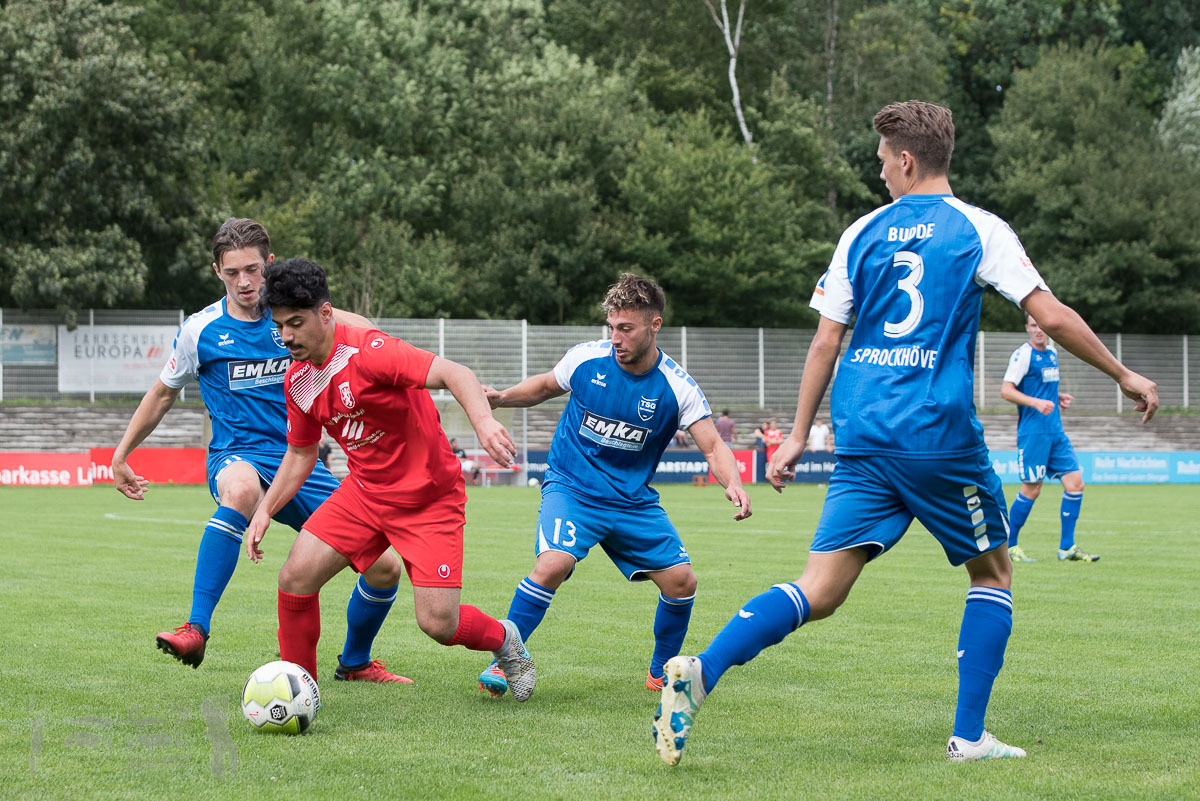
(294, 283)
(634, 292)
(237, 233)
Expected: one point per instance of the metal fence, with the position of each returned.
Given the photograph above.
(738, 368)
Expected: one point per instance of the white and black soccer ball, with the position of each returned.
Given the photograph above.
(281, 697)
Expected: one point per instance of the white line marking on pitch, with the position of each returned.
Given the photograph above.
(111, 516)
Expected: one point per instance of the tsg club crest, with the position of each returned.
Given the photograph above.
(647, 407)
(275, 335)
(347, 396)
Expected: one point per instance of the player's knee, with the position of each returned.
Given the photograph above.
(1031, 491)
(440, 625)
(683, 586)
(386, 572)
(294, 580)
(821, 606)
(552, 573)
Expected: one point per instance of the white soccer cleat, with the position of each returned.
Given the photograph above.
(988, 747)
(682, 694)
(516, 663)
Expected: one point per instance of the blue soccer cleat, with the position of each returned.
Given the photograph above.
(682, 694)
(493, 680)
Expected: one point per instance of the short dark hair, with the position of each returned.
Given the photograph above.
(237, 233)
(634, 292)
(294, 283)
(924, 129)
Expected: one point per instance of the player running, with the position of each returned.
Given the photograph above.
(909, 445)
(236, 355)
(627, 401)
(405, 489)
(1043, 450)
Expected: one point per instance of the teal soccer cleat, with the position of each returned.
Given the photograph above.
(493, 680)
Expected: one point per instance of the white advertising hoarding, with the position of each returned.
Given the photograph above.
(122, 359)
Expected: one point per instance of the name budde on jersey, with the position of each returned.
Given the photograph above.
(249, 373)
(613, 433)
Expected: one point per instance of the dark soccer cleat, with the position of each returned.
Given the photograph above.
(375, 670)
(186, 644)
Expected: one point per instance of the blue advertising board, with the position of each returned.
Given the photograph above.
(1118, 467)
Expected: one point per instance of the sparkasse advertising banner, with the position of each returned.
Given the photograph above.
(122, 359)
(160, 465)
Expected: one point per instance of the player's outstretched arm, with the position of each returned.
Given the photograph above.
(530, 392)
(823, 353)
(293, 471)
(1010, 393)
(466, 389)
(154, 406)
(723, 464)
(1064, 325)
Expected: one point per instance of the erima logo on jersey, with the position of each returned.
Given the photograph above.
(250, 373)
(225, 340)
(599, 380)
(613, 433)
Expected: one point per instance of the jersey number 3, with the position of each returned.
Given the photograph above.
(906, 258)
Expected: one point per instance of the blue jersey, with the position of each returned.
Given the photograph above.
(240, 366)
(617, 424)
(913, 272)
(1035, 372)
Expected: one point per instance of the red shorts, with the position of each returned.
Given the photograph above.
(429, 538)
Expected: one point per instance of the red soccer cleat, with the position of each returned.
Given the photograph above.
(186, 644)
(375, 670)
(653, 682)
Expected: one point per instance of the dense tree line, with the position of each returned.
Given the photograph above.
(508, 158)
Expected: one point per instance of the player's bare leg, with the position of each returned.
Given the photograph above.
(530, 602)
(763, 621)
(370, 601)
(676, 593)
(442, 617)
(987, 622)
(310, 564)
(240, 490)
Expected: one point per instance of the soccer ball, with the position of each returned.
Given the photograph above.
(533, 482)
(281, 697)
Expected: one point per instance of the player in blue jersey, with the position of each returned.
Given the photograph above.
(627, 400)
(239, 359)
(1043, 450)
(908, 444)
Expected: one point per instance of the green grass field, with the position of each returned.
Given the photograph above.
(1100, 683)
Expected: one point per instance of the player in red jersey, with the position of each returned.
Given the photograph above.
(370, 391)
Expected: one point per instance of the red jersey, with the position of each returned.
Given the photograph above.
(370, 396)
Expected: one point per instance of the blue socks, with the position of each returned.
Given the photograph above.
(986, 624)
(1071, 503)
(1017, 516)
(364, 615)
(670, 627)
(215, 561)
(764, 621)
(529, 605)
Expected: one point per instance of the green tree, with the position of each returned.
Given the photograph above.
(734, 242)
(1179, 126)
(1104, 210)
(96, 202)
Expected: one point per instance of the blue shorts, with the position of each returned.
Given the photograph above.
(872, 500)
(1042, 456)
(639, 541)
(319, 486)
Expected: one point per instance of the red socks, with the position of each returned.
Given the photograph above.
(476, 631)
(299, 629)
